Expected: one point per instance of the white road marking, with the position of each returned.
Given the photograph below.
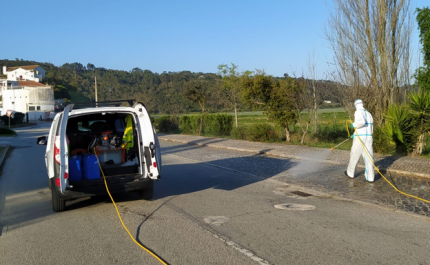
(295, 207)
(242, 250)
(216, 220)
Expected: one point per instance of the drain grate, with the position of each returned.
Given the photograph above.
(301, 193)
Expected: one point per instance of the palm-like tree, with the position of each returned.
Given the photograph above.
(420, 106)
(399, 128)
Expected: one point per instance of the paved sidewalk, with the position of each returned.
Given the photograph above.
(410, 166)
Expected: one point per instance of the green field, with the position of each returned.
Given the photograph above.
(325, 116)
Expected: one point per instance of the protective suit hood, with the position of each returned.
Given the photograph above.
(358, 104)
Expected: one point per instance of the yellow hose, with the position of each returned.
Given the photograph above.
(116, 208)
(368, 155)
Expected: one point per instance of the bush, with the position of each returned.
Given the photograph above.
(239, 132)
(262, 132)
(7, 131)
(381, 143)
(213, 124)
(167, 124)
(331, 133)
(218, 124)
(17, 119)
(189, 124)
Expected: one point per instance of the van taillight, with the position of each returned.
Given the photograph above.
(57, 158)
(154, 164)
(57, 149)
(57, 180)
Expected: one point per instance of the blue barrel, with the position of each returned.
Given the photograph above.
(75, 168)
(91, 167)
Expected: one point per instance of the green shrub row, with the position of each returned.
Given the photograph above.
(167, 124)
(213, 124)
(261, 132)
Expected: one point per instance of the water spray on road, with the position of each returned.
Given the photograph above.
(312, 164)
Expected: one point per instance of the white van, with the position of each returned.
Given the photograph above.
(85, 144)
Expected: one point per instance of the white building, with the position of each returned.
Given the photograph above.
(24, 73)
(22, 92)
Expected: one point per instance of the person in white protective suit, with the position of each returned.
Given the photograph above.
(363, 124)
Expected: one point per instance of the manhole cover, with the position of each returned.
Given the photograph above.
(295, 207)
(301, 193)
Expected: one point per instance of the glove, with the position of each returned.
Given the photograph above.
(352, 136)
(352, 126)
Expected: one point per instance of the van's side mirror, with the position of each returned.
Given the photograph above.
(42, 140)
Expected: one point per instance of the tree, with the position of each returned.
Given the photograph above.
(419, 103)
(312, 83)
(371, 41)
(275, 97)
(90, 66)
(231, 85)
(422, 74)
(306, 100)
(399, 128)
(197, 92)
(312, 97)
(60, 92)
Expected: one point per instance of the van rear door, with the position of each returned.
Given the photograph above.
(149, 141)
(64, 152)
(49, 153)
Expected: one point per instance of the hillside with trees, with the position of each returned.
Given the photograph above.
(164, 93)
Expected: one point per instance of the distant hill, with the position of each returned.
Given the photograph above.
(161, 93)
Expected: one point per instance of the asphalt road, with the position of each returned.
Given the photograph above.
(202, 213)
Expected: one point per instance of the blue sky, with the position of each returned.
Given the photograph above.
(275, 35)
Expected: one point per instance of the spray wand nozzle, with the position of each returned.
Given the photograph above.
(349, 136)
(340, 144)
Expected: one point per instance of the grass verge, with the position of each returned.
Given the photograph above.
(7, 132)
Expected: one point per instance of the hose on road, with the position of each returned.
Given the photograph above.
(377, 169)
(119, 215)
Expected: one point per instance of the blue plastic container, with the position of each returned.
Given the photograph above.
(91, 167)
(75, 168)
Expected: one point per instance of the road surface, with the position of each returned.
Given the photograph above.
(209, 212)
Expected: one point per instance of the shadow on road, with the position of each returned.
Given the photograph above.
(186, 178)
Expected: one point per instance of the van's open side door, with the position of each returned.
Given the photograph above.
(149, 141)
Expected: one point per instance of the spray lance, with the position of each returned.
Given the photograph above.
(339, 144)
(349, 135)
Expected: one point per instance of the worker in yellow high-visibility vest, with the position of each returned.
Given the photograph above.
(127, 138)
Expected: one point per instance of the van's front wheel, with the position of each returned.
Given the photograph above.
(58, 205)
(147, 193)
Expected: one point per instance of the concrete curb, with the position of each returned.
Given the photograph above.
(3, 155)
(277, 154)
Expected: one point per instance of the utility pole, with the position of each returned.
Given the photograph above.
(95, 81)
